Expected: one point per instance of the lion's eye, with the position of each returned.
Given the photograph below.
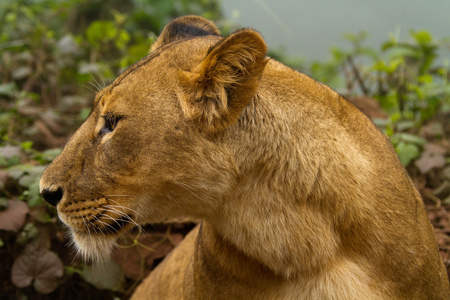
(111, 122)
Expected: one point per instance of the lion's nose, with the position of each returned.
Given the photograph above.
(52, 197)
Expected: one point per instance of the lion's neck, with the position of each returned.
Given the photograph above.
(219, 264)
(273, 229)
(268, 215)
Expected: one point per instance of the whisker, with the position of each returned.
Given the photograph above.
(98, 86)
(105, 225)
(89, 88)
(130, 209)
(188, 188)
(115, 221)
(103, 80)
(84, 223)
(114, 209)
(128, 219)
(95, 87)
(71, 244)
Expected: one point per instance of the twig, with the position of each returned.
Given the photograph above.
(435, 199)
(358, 77)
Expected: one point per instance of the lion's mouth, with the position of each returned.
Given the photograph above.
(96, 224)
(95, 217)
(119, 224)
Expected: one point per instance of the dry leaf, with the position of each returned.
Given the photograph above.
(432, 157)
(13, 217)
(38, 264)
(155, 246)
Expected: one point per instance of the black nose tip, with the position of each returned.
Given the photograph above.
(52, 197)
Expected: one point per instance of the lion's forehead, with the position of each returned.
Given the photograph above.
(154, 74)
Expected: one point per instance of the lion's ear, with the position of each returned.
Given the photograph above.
(221, 86)
(185, 27)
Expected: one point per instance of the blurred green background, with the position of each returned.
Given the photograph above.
(56, 54)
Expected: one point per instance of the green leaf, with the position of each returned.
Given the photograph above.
(100, 31)
(425, 78)
(407, 138)
(34, 195)
(109, 277)
(49, 155)
(388, 67)
(404, 125)
(407, 152)
(412, 139)
(118, 17)
(369, 52)
(34, 174)
(26, 145)
(28, 232)
(122, 39)
(18, 171)
(338, 54)
(422, 37)
(402, 52)
(8, 89)
(70, 270)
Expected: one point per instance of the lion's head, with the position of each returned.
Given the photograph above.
(151, 148)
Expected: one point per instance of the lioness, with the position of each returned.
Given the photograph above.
(300, 195)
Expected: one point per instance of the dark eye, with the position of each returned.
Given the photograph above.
(111, 122)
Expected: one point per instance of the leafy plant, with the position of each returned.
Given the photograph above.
(408, 79)
(54, 56)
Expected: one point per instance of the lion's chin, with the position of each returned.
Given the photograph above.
(95, 249)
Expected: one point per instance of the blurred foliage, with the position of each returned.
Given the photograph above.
(410, 80)
(53, 51)
(56, 54)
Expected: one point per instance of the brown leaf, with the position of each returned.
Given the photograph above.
(151, 247)
(435, 149)
(3, 177)
(432, 157)
(433, 129)
(10, 151)
(13, 217)
(38, 264)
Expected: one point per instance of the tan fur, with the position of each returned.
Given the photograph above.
(300, 195)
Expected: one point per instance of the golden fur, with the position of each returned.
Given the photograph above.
(300, 195)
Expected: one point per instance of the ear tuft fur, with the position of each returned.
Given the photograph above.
(217, 90)
(185, 27)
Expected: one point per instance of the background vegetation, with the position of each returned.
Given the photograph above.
(56, 54)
